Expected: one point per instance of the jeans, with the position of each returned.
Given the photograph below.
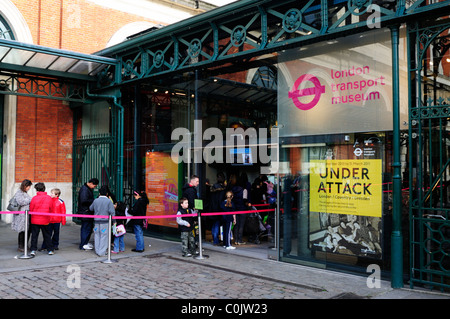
(239, 227)
(53, 229)
(85, 231)
(119, 244)
(215, 232)
(139, 234)
(227, 233)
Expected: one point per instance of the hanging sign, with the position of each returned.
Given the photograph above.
(346, 87)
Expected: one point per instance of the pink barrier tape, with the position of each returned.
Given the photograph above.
(13, 212)
(142, 217)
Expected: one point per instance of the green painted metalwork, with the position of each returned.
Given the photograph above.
(249, 28)
(397, 235)
(12, 84)
(429, 158)
(93, 157)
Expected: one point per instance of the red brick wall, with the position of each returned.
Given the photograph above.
(44, 126)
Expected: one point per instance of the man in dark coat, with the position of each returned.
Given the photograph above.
(190, 191)
(85, 199)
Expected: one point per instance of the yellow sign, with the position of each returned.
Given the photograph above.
(350, 187)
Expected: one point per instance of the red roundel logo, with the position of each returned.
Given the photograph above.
(315, 91)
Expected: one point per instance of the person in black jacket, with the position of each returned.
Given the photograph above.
(85, 199)
(186, 225)
(217, 197)
(190, 191)
(139, 209)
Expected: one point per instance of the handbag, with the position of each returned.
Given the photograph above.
(13, 206)
(119, 230)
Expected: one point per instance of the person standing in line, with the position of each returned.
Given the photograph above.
(102, 206)
(56, 221)
(85, 199)
(217, 196)
(186, 225)
(41, 203)
(139, 209)
(228, 219)
(119, 244)
(18, 222)
(239, 200)
(190, 191)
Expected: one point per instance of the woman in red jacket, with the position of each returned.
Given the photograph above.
(41, 203)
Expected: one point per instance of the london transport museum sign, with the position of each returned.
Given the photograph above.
(345, 90)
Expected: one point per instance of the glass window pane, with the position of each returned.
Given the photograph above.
(83, 67)
(62, 64)
(3, 51)
(41, 60)
(17, 56)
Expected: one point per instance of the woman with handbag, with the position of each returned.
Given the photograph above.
(18, 223)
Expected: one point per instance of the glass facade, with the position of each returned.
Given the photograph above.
(335, 116)
(332, 109)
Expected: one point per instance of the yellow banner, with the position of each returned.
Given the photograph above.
(350, 187)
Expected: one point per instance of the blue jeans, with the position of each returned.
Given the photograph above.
(86, 231)
(119, 244)
(139, 234)
(215, 232)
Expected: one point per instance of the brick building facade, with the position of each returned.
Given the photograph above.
(38, 132)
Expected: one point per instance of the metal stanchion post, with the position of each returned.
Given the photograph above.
(109, 261)
(25, 251)
(200, 256)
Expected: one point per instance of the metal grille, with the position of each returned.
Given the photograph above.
(93, 158)
(429, 133)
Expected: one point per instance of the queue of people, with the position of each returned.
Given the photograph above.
(235, 195)
(233, 198)
(53, 207)
(47, 224)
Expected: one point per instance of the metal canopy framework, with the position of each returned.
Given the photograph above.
(39, 71)
(249, 28)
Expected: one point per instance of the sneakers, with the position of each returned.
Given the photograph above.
(33, 252)
(187, 255)
(88, 247)
(230, 247)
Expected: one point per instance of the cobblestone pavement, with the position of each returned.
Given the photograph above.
(149, 277)
(161, 273)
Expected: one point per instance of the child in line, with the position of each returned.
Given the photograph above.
(229, 219)
(186, 225)
(55, 221)
(119, 244)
